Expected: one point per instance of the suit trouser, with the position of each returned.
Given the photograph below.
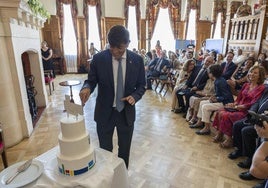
(244, 137)
(124, 134)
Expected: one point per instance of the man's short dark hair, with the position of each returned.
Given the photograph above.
(118, 35)
(215, 70)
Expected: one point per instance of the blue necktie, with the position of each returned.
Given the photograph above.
(120, 88)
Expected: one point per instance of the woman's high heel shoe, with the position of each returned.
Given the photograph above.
(228, 143)
(217, 138)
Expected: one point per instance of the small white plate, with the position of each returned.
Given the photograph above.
(24, 178)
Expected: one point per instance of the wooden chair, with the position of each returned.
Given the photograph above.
(2, 149)
(49, 80)
(169, 82)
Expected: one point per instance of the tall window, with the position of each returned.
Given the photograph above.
(191, 30)
(132, 27)
(217, 34)
(93, 29)
(163, 32)
(69, 40)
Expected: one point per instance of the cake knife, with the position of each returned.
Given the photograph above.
(20, 169)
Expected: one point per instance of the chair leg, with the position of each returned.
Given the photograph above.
(49, 85)
(4, 159)
(53, 86)
(162, 87)
(166, 90)
(157, 83)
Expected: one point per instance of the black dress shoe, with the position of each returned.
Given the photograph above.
(245, 164)
(196, 126)
(203, 132)
(260, 185)
(176, 111)
(246, 176)
(235, 154)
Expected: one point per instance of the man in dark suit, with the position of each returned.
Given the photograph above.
(157, 67)
(244, 136)
(120, 76)
(228, 67)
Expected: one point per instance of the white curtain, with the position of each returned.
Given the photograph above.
(71, 63)
(69, 41)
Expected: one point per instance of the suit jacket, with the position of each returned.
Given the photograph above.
(222, 91)
(101, 73)
(153, 64)
(262, 104)
(229, 71)
(193, 76)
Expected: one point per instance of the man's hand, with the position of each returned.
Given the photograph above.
(129, 99)
(84, 95)
(194, 88)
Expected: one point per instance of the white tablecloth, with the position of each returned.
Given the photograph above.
(108, 172)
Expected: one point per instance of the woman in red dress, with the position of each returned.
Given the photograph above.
(233, 112)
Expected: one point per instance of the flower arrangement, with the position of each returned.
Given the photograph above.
(38, 8)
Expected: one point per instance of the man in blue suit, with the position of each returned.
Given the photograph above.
(228, 67)
(157, 67)
(120, 76)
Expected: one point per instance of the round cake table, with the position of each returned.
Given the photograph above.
(70, 83)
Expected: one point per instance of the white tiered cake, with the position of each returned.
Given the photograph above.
(75, 156)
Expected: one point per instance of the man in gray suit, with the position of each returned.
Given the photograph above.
(120, 76)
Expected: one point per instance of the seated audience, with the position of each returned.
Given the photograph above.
(219, 59)
(213, 54)
(174, 62)
(258, 6)
(243, 10)
(157, 67)
(189, 55)
(264, 64)
(222, 96)
(182, 56)
(261, 59)
(228, 66)
(199, 96)
(259, 167)
(239, 58)
(239, 77)
(184, 74)
(244, 136)
(238, 110)
(197, 84)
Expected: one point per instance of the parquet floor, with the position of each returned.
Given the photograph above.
(165, 153)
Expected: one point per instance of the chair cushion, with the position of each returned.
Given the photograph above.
(1, 146)
(48, 79)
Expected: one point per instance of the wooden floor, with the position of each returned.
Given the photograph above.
(165, 153)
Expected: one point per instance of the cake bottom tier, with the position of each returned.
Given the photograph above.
(73, 167)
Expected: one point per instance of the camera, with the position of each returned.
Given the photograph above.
(256, 119)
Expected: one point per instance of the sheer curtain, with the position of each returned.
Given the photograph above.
(93, 34)
(217, 34)
(69, 41)
(163, 31)
(132, 27)
(191, 26)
